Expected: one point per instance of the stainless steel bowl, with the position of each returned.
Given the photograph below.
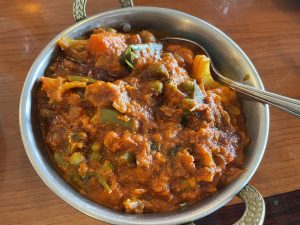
(228, 57)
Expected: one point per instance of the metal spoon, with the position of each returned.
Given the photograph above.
(289, 105)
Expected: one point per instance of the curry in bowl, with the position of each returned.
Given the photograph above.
(138, 125)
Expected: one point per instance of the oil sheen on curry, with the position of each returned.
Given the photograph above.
(137, 125)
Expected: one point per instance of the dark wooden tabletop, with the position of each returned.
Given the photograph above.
(268, 31)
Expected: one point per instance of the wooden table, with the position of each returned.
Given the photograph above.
(268, 31)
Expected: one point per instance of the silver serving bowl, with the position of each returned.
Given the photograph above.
(228, 58)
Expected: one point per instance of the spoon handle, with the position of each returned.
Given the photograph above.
(289, 105)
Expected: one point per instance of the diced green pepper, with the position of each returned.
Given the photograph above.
(156, 86)
(172, 95)
(108, 165)
(159, 68)
(192, 90)
(76, 137)
(95, 156)
(103, 182)
(69, 43)
(189, 104)
(76, 158)
(127, 157)
(78, 180)
(187, 87)
(59, 159)
(129, 64)
(74, 48)
(129, 57)
(88, 80)
(73, 174)
(96, 146)
(134, 51)
(198, 95)
(111, 116)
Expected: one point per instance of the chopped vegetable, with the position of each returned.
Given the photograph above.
(134, 51)
(55, 88)
(106, 43)
(127, 157)
(201, 72)
(108, 165)
(59, 159)
(103, 182)
(129, 63)
(198, 94)
(88, 80)
(70, 44)
(173, 96)
(95, 156)
(156, 86)
(74, 84)
(76, 158)
(192, 89)
(95, 146)
(74, 48)
(73, 173)
(159, 68)
(189, 104)
(76, 140)
(188, 87)
(76, 137)
(111, 116)
(129, 57)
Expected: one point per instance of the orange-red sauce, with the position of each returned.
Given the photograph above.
(139, 136)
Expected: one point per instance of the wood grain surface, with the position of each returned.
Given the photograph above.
(268, 31)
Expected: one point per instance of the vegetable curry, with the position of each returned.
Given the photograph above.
(138, 125)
